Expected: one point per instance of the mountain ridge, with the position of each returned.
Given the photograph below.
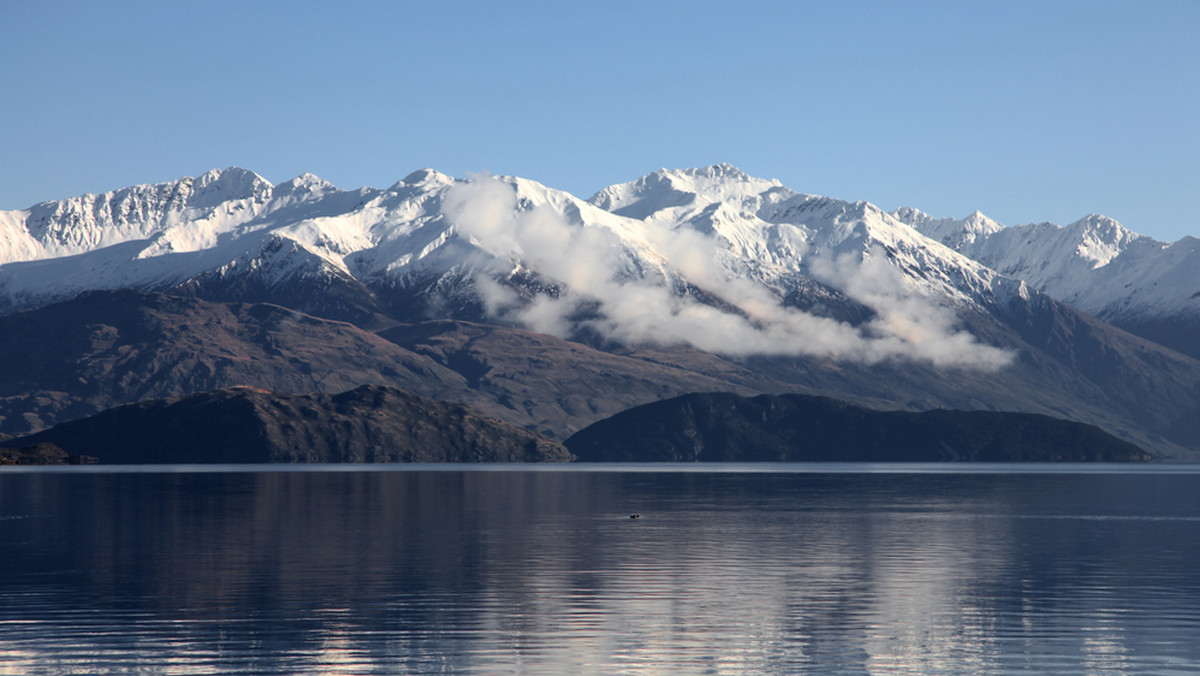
(754, 287)
(721, 427)
(406, 247)
(1145, 286)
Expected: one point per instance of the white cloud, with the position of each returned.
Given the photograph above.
(587, 263)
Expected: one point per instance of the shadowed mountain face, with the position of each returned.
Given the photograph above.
(1068, 365)
(367, 424)
(728, 428)
(557, 384)
(109, 348)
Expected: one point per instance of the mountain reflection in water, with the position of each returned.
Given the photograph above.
(543, 571)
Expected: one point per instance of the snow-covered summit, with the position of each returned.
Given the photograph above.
(303, 186)
(424, 178)
(1095, 264)
(216, 187)
(954, 233)
(667, 189)
(772, 233)
(88, 222)
(1099, 239)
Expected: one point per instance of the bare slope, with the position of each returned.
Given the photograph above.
(76, 358)
(367, 424)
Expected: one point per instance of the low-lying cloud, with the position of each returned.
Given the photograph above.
(632, 304)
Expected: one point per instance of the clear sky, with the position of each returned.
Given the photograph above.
(1028, 111)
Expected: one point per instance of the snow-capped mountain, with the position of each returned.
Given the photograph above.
(710, 256)
(706, 270)
(1148, 287)
(770, 232)
(89, 222)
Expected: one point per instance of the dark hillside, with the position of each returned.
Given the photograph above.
(729, 428)
(242, 425)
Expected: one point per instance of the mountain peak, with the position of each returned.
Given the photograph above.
(221, 185)
(1099, 227)
(230, 176)
(425, 177)
(722, 170)
(669, 188)
(979, 224)
(1098, 222)
(911, 215)
(1099, 239)
(705, 179)
(952, 232)
(305, 184)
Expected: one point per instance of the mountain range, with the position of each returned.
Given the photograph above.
(552, 312)
(1140, 284)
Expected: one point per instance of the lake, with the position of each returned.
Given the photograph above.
(855, 569)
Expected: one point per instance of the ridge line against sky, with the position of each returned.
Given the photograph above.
(1025, 111)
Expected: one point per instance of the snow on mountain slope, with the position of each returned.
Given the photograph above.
(16, 242)
(954, 233)
(708, 256)
(1095, 263)
(747, 245)
(771, 233)
(80, 224)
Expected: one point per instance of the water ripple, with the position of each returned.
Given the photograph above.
(544, 572)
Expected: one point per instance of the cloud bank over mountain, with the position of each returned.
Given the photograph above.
(597, 291)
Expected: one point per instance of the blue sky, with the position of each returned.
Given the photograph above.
(1027, 111)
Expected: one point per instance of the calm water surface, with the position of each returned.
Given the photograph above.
(730, 569)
